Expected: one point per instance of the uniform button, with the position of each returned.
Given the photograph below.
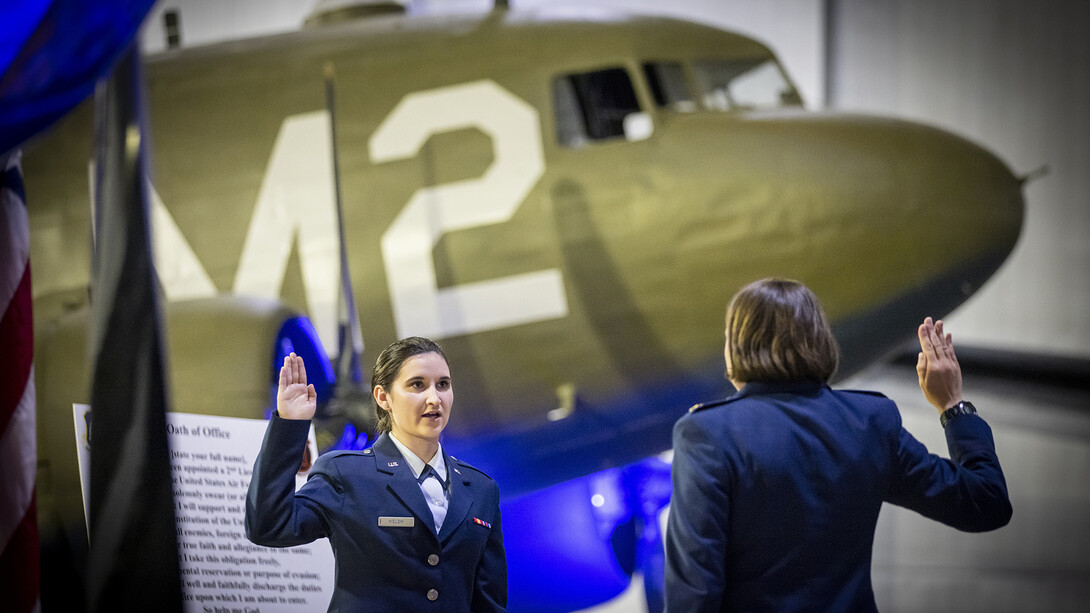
(433, 594)
(433, 559)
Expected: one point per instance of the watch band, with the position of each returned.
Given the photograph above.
(961, 408)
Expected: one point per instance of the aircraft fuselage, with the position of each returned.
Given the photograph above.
(586, 273)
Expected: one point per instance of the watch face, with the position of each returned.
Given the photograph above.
(961, 408)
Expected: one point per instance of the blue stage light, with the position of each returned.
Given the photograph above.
(576, 544)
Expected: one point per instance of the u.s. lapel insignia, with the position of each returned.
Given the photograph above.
(457, 471)
(392, 464)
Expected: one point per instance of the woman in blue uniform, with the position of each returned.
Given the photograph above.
(776, 490)
(412, 528)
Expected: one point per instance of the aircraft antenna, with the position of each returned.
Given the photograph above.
(350, 395)
(1034, 174)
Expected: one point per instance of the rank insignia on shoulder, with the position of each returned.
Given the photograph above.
(481, 522)
(708, 405)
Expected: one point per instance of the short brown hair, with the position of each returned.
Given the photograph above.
(777, 331)
(389, 364)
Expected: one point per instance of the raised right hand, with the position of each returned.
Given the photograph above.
(937, 367)
(294, 398)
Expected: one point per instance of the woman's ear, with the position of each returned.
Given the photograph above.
(381, 397)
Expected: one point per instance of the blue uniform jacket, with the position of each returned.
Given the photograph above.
(382, 564)
(776, 493)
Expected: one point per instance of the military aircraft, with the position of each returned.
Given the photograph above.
(564, 198)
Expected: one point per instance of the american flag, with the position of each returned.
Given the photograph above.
(20, 569)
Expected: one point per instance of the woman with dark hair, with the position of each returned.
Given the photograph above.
(776, 489)
(412, 528)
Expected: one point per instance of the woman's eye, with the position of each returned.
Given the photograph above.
(443, 385)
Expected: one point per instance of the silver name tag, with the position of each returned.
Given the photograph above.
(396, 522)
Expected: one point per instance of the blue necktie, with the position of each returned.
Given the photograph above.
(429, 471)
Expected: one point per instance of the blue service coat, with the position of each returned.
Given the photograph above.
(396, 564)
(776, 493)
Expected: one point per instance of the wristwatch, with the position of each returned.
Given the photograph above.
(961, 408)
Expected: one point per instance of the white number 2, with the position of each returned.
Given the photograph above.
(420, 307)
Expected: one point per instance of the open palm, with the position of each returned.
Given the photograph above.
(294, 398)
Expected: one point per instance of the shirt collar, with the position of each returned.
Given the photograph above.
(805, 387)
(416, 464)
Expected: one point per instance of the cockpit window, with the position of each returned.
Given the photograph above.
(592, 106)
(667, 83)
(743, 84)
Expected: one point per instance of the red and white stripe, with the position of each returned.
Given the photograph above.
(20, 569)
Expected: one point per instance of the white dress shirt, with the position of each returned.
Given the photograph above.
(434, 492)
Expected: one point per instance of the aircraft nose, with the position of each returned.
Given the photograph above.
(924, 218)
(964, 200)
(909, 205)
(888, 220)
